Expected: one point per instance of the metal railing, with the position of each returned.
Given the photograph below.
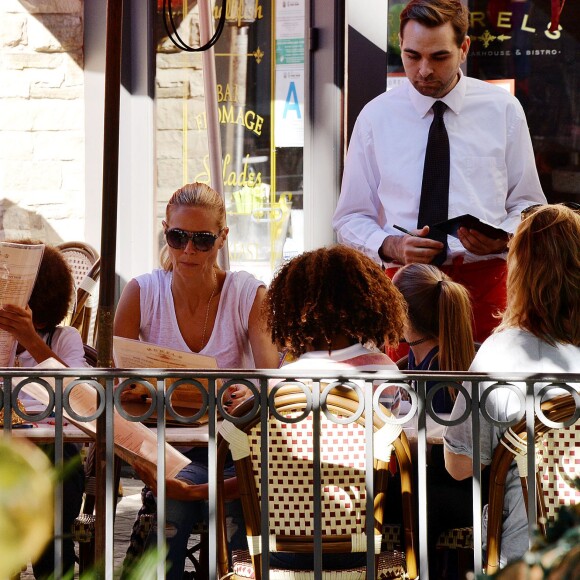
(529, 389)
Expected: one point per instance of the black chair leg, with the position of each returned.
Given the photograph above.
(201, 563)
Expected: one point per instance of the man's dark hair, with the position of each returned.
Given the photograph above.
(433, 13)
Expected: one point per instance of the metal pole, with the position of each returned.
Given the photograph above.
(211, 111)
(107, 279)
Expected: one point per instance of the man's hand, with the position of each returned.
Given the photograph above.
(415, 249)
(476, 243)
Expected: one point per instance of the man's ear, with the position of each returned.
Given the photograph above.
(465, 48)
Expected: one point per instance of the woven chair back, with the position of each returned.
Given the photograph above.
(85, 266)
(557, 461)
(343, 471)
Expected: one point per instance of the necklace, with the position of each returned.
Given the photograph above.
(419, 341)
(207, 310)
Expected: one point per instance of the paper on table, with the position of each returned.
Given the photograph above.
(132, 439)
(136, 354)
(19, 265)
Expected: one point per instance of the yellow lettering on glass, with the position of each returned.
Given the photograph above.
(238, 12)
(231, 177)
(525, 24)
(504, 19)
(477, 18)
(234, 116)
(229, 93)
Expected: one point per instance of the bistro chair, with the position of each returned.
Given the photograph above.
(342, 453)
(85, 265)
(557, 465)
(197, 550)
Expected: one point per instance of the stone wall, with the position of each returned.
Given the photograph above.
(41, 120)
(180, 101)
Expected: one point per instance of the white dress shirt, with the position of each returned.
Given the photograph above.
(492, 175)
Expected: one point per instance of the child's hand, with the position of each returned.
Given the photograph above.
(18, 322)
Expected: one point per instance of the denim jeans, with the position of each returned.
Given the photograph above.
(182, 516)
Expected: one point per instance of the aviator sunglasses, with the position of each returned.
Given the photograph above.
(201, 241)
(528, 211)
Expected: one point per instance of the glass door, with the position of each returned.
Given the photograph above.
(260, 92)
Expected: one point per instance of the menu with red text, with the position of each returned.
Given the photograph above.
(137, 354)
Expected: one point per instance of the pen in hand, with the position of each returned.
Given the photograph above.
(405, 231)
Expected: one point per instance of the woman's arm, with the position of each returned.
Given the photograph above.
(459, 466)
(128, 314)
(265, 353)
(182, 490)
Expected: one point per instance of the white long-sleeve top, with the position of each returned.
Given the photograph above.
(492, 175)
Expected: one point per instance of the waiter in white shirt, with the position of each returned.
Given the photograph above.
(492, 172)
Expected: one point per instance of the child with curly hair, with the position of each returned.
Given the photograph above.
(334, 305)
(39, 336)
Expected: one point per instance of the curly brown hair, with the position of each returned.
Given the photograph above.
(331, 291)
(53, 289)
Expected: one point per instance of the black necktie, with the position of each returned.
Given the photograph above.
(434, 204)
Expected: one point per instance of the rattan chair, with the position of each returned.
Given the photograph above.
(291, 480)
(556, 463)
(85, 265)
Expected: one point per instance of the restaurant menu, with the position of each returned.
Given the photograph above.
(136, 354)
(19, 264)
(133, 440)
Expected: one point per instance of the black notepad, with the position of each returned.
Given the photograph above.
(471, 222)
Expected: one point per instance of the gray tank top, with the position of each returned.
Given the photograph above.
(229, 342)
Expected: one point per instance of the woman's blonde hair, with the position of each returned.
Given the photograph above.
(198, 195)
(439, 308)
(543, 284)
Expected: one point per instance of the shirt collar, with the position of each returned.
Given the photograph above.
(453, 99)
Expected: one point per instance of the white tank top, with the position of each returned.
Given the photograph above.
(229, 342)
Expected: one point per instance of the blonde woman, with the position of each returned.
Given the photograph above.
(191, 304)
